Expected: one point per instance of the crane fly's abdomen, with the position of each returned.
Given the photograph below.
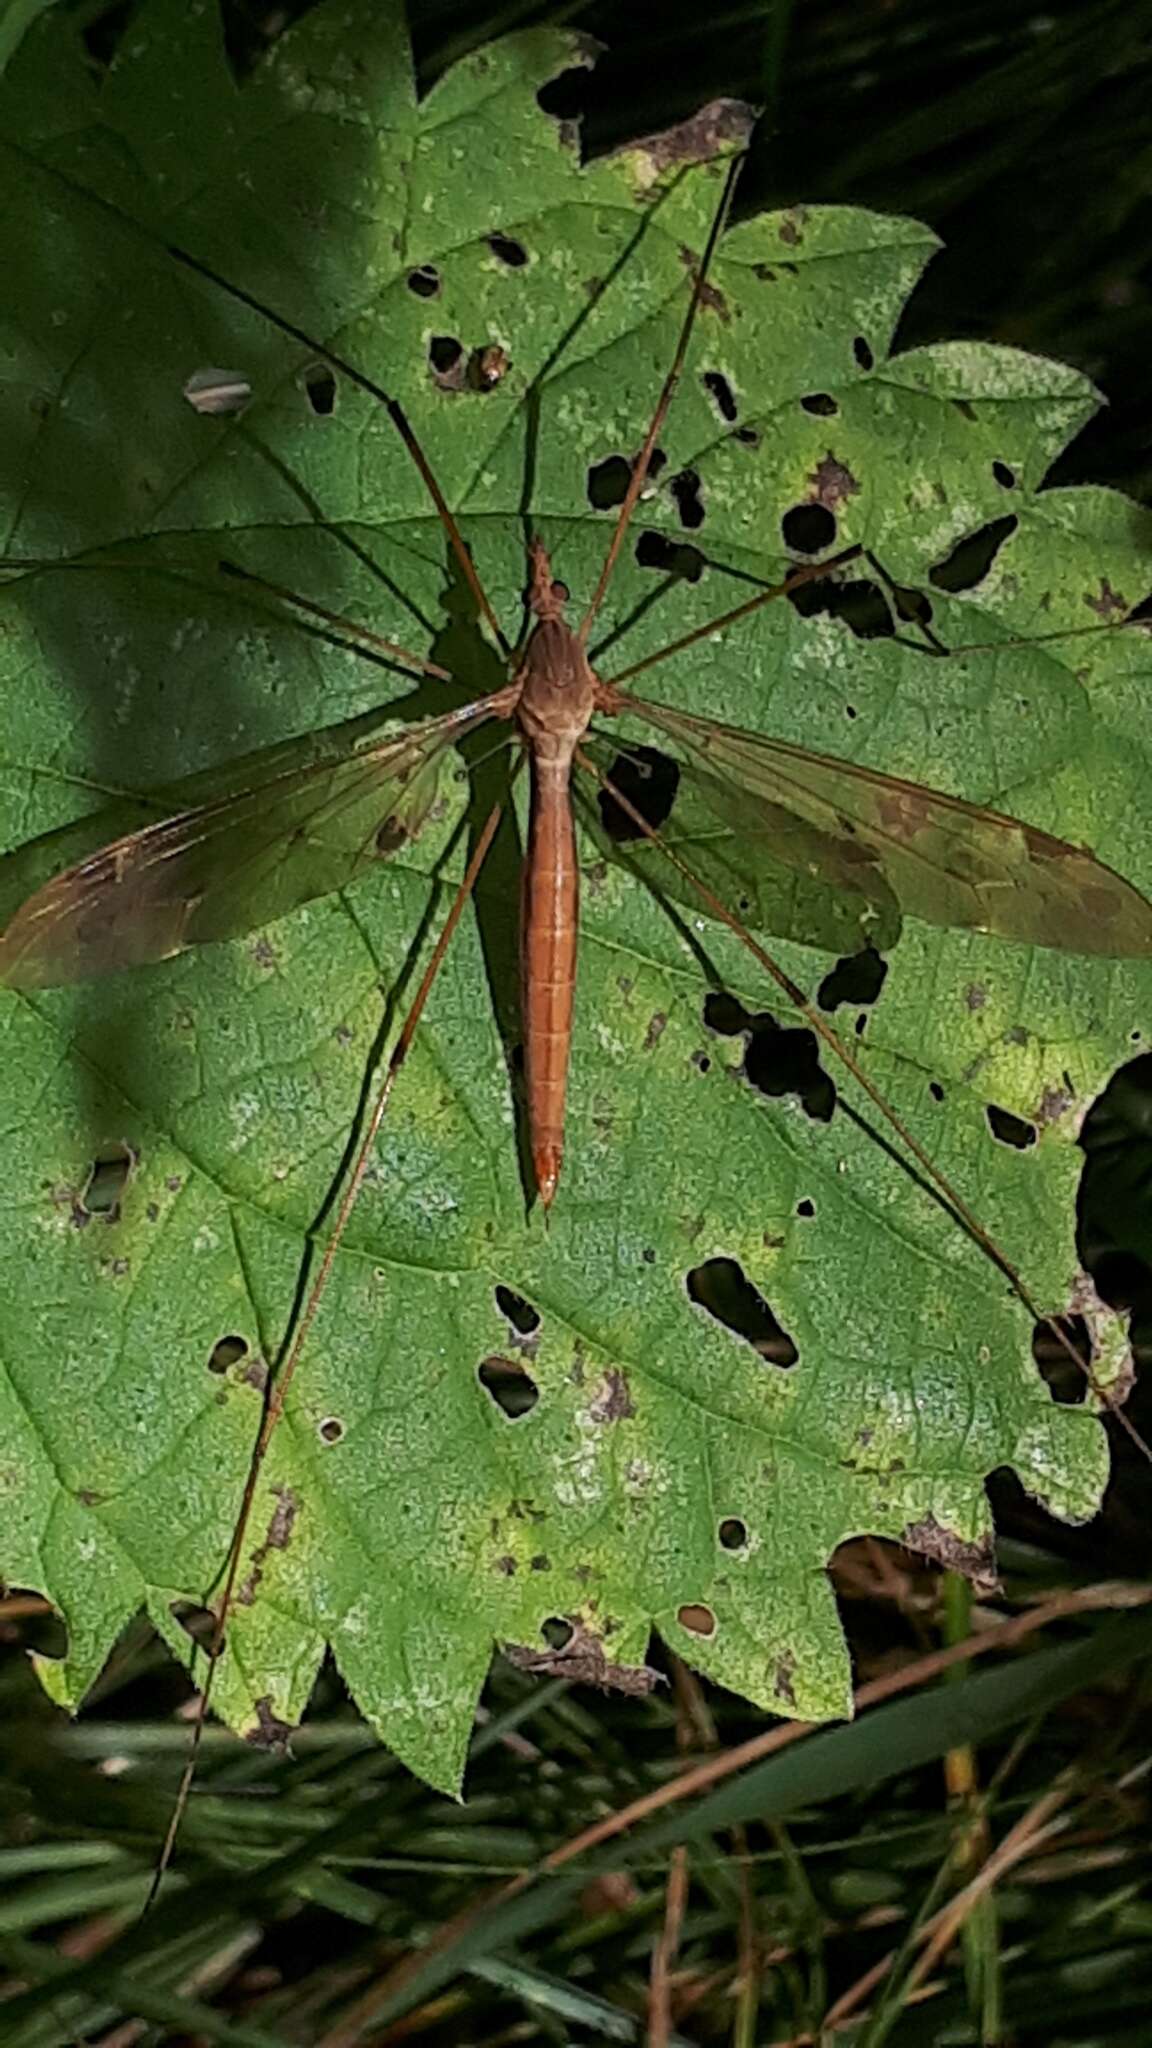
(548, 938)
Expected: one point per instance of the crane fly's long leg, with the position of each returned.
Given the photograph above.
(643, 463)
(282, 1380)
(809, 572)
(337, 619)
(392, 407)
(824, 1031)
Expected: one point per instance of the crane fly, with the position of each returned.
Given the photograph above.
(301, 820)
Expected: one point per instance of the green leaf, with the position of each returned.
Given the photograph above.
(403, 1517)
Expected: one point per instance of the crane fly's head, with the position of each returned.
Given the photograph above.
(546, 598)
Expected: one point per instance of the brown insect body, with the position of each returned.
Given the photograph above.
(558, 694)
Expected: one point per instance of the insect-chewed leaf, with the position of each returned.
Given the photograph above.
(946, 861)
(296, 821)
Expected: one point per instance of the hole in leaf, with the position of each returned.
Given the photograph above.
(508, 251)
(227, 1352)
(821, 403)
(391, 835)
(858, 602)
(1064, 1371)
(858, 978)
(1004, 476)
(720, 392)
(565, 96)
(685, 488)
(557, 1632)
(1009, 1128)
(698, 1620)
(749, 436)
(108, 1176)
(649, 780)
(214, 393)
(726, 1015)
(733, 1533)
(676, 558)
(778, 1060)
(971, 558)
(320, 389)
(608, 482)
(722, 1288)
(446, 360)
(935, 1091)
(196, 1621)
(510, 1386)
(330, 1430)
(525, 1320)
(808, 529)
(424, 281)
(31, 1621)
(805, 1206)
(862, 352)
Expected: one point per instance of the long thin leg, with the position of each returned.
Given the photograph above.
(809, 572)
(392, 407)
(831, 1038)
(337, 619)
(279, 1386)
(643, 463)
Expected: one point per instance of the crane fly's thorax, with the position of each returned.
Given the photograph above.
(558, 690)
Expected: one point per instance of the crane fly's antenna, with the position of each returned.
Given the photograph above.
(282, 1379)
(643, 462)
(824, 1031)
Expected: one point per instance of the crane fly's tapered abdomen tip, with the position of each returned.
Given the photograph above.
(546, 1162)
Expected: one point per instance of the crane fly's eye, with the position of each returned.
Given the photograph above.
(561, 592)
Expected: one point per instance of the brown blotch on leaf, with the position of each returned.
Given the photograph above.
(270, 1731)
(488, 367)
(1055, 1103)
(506, 1565)
(974, 1561)
(89, 1498)
(832, 483)
(702, 136)
(264, 952)
(975, 995)
(613, 1402)
(584, 1661)
(792, 225)
(782, 1678)
(655, 1028)
(1109, 604)
(278, 1537)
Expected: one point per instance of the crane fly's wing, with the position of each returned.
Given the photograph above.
(779, 872)
(293, 822)
(946, 861)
